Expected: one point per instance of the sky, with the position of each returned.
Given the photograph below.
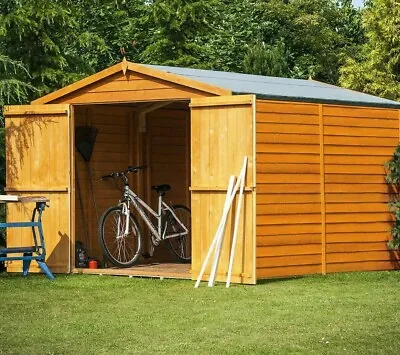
(357, 2)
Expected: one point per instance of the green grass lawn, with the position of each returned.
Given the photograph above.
(355, 313)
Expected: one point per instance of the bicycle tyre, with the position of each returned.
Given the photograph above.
(180, 246)
(123, 251)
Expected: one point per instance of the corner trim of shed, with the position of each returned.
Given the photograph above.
(124, 66)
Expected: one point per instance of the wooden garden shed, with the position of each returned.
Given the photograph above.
(315, 194)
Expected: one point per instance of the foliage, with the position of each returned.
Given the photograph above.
(176, 28)
(310, 31)
(393, 179)
(52, 39)
(261, 59)
(376, 67)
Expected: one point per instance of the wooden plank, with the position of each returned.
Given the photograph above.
(287, 168)
(360, 122)
(290, 239)
(352, 257)
(280, 138)
(294, 198)
(287, 250)
(357, 227)
(288, 178)
(358, 150)
(129, 85)
(361, 132)
(222, 101)
(357, 160)
(356, 247)
(288, 260)
(361, 141)
(266, 117)
(129, 96)
(288, 219)
(367, 112)
(285, 271)
(351, 188)
(356, 207)
(284, 209)
(287, 188)
(361, 237)
(356, 197)
(358, 217)
(22, 110)
(354, 179)
(288, 158)
(322, 187)
(286, 229)
(371, 169)
(263, 147)
(287, 107)
(287, 128)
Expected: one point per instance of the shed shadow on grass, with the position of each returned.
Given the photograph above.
(279, 280)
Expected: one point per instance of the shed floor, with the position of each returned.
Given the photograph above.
(156, 270)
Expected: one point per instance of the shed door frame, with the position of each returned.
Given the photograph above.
(222, 133)
(49, 114)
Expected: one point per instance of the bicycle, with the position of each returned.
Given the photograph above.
(119, 233)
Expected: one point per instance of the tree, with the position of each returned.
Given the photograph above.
(310, 31)
(261, 59)
(176, 28)
(376, 68)
(47, 38)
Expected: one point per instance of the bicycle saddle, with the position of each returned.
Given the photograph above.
(161, 189)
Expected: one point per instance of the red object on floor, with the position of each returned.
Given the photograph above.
(93, 264)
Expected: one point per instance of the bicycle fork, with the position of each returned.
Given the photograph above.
(123, 230)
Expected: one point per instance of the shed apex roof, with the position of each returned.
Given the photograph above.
(224, 83)
(279, 88)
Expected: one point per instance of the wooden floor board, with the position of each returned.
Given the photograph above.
(156, 270)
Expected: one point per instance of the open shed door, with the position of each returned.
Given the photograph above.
(222, 134)
(39, 163)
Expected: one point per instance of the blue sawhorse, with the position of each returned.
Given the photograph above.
(38, 250)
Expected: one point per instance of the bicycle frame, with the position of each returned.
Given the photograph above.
(138, 203)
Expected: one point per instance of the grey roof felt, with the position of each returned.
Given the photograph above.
(280, 88)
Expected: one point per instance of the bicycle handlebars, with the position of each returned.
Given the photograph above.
(131, 169)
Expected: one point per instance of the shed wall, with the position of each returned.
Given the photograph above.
(288, 189)
(321, 194)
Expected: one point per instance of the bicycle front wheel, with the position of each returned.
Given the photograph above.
(180, 246)
(120, 237)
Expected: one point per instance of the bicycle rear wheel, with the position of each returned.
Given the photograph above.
(121, 249)
(180, 246)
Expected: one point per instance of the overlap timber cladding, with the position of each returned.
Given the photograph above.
(321, 193)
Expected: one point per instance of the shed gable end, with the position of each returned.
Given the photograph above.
(130, 87)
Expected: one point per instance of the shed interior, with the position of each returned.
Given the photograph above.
(156, 135)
